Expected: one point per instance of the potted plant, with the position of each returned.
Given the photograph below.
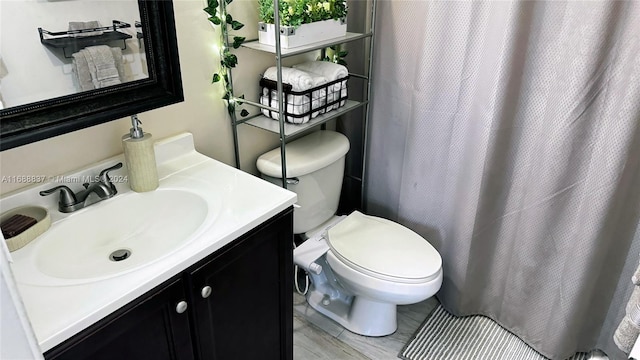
(302, 21)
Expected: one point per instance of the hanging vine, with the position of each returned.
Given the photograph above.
(220, 17)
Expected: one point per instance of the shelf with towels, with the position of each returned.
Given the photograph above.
(356, 104)
(72, 41)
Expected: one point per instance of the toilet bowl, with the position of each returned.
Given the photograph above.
(361, 267)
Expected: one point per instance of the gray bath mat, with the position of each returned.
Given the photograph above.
(444, 337)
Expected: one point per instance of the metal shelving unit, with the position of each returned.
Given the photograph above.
(287, 130)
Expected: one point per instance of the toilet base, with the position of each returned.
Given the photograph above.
(358, 315)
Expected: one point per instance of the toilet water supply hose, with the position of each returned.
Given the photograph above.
(295, 277)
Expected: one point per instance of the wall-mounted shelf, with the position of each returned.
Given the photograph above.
(69, 42)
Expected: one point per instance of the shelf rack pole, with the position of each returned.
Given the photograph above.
(224, 33)
(281, 118)
(367, 113)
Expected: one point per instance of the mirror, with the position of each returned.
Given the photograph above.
(68, 56)
(48, 108)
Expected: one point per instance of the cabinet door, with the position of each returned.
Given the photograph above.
(248, 314)
(148, 328)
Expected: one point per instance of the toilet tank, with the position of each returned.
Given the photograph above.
(315, 167)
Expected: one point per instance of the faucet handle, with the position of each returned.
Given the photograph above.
(67, 197)
(104, 174)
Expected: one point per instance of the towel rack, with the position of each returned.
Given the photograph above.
(65, 40)
(139, 34)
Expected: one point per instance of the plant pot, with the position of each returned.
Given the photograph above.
(291, 37)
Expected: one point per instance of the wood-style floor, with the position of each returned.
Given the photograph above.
(316, 337)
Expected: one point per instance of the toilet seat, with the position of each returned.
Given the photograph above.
(383, 249)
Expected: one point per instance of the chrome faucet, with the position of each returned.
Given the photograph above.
(70, 201)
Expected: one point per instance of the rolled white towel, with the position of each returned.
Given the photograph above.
(343, 93)
(318, 79)
(319, 96)
(298, 79)
(331, 71)
(290, 99)
(297, 105)
(315, 104)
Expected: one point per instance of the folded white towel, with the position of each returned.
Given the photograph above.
(102, 66)
(83, 25)
(331, 71)
(108, 73)
(299, 80)
(81, 73)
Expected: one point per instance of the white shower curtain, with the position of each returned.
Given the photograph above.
(508, 134)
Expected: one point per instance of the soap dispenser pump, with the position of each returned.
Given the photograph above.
(140, 157)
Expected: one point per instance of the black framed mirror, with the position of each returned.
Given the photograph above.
(40, 120)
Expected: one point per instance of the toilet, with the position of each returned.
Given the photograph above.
(361, 267)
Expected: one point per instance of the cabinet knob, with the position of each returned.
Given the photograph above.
(181, 307)
(205, 292)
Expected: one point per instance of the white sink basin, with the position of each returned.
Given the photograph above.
(139, 228)
(65, 277)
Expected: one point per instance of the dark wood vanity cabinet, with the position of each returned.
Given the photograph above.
(238, 301)
(243, 305)
(149, 328)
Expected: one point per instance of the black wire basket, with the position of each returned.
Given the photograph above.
(302, 106)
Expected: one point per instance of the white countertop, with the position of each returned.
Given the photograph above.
(60, 308)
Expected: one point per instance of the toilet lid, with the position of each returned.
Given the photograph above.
(383, 248)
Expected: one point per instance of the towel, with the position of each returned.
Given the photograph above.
(296, 105)
(291, 109)
(299, 80)
(96, 67)
(628, 330)
(102, 66)
(84, 25)
(329, 70)
(81, 73)
(319, 96)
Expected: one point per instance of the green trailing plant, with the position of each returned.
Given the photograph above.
(219, 17)
(298, 12)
